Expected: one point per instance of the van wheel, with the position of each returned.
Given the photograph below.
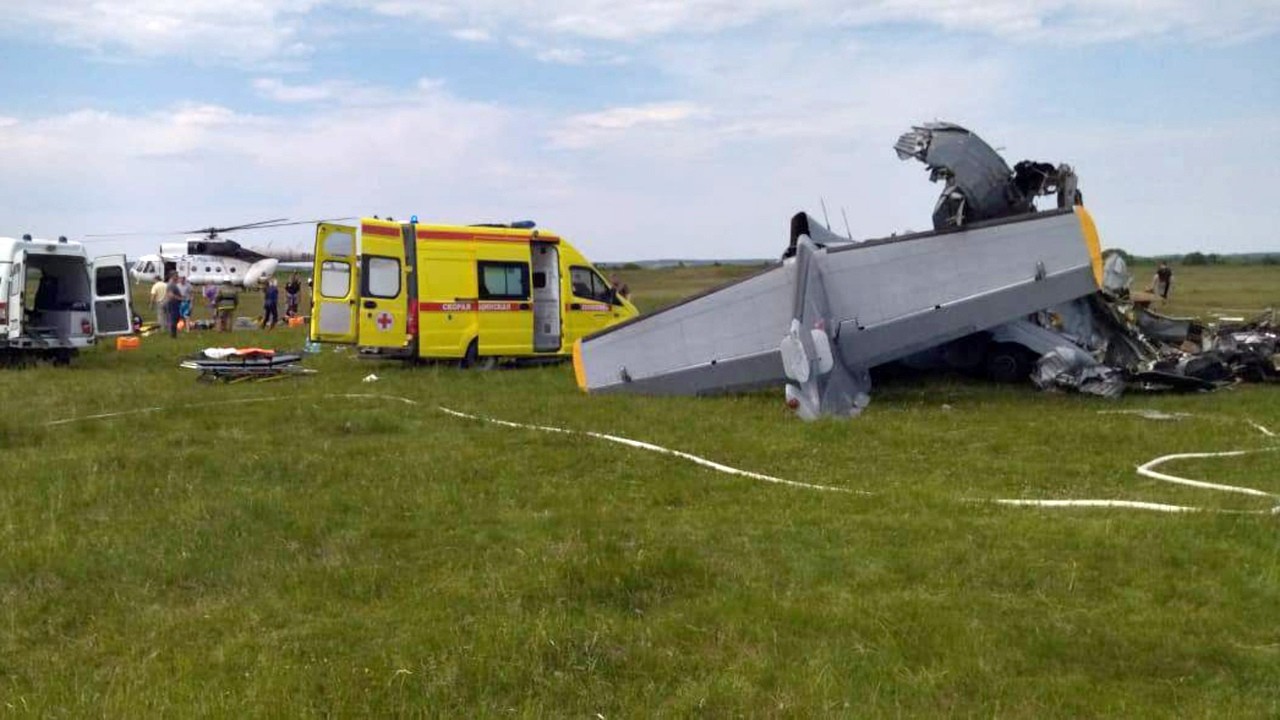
(471, 360)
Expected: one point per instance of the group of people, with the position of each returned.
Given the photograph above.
(172, 301)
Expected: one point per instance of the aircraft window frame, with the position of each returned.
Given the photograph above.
(593, 279)
(520, 275)
(371, 273)
(325, 269)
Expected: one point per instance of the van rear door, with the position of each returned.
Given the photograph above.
(17, 288)
(384, 287)
(112, 306)
(335, 276)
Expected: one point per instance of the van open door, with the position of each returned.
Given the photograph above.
(112, 306)
(384, 288)
(335, 278)
(17, 288)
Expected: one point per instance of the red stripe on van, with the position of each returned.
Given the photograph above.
(467, 236)
(504, 306)
(446, 307)
(380, 230)
(487, 306)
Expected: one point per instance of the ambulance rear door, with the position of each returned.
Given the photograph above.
(335, 291)
(17, 289)
(384, 287)
(112, 306)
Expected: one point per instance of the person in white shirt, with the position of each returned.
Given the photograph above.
(159, 293)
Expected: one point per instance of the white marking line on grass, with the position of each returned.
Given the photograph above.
(215, 403)
(542, 428)
(1148, 470)
(654, 448)
(1130, 504)
(1260, 429)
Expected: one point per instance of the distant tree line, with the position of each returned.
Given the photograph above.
(1200, 258)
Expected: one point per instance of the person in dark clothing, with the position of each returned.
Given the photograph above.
(173, 304)
(292, 290)
(1163, 280)
(271, 305)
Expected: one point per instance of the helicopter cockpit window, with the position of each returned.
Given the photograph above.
(335, 279)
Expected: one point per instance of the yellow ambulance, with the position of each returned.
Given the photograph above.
(473, 293)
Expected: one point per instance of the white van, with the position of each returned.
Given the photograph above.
(55, 300)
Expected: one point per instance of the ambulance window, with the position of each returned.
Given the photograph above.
(335, 279)
(381, 277)
(339, 243)
(109, 281)
(588, 284)
(503, 281)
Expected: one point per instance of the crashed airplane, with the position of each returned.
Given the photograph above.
(833, 309)
(1022, 285)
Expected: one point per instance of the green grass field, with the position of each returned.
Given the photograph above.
(277, 549)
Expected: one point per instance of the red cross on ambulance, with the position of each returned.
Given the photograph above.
(385, 321)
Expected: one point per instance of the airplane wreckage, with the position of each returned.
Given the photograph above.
(996, 284)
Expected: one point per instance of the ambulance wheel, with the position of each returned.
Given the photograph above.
(472, 360)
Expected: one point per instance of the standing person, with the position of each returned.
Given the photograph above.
(211, 300)
(271, 305)
(292, 290)
(1163, 280)
(188, 295)
(227, 301)
(173, 304)
(158, 291)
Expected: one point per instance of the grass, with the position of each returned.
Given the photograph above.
(315, 555)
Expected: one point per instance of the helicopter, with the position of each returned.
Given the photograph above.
(207, 258)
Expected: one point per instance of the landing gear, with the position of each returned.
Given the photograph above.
(1009, 362)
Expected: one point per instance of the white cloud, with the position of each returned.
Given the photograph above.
(561, 56)
(588, 129)
(253, 31)
(472, 35)
(278, 90)
(1078, 21)
(225, 31)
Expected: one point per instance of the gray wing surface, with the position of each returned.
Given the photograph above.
(880, 301)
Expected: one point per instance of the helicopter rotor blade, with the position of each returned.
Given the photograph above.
(245, 226)
(301, 222)
(260, 225)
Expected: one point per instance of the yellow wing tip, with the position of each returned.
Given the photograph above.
(1091, 241)
(579, 372)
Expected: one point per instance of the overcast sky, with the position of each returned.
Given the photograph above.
(639, 129)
